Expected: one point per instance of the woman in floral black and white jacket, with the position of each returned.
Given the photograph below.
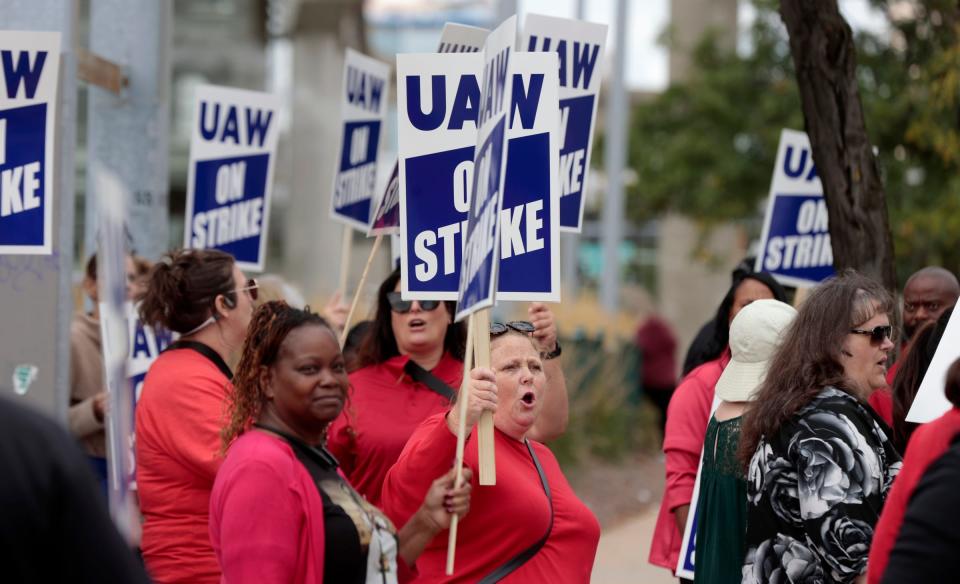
(819, 460)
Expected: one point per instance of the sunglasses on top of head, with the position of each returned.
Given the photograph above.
(401, 306)
(521, 326)
(877, 334)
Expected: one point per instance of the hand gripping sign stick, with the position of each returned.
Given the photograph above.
(360, 285)
(462, 401)
(485, 449)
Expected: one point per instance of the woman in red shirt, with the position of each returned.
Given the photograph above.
(204, 296)
(280, 512)
(410, 363)
(530, 526)
(927, 443)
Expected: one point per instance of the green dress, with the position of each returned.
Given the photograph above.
(721, 507)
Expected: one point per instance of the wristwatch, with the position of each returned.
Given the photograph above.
(552, 354)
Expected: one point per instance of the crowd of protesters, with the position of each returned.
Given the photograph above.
(810, 471)
(266, 452)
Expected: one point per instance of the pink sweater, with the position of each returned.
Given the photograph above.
(687, 419)
(266, 515)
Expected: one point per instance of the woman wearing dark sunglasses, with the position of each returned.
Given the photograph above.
(819, 460)
(203, 296)
(410, 367)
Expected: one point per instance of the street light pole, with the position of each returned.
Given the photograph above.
(615, 152)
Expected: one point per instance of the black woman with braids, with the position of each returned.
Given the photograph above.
(280, 510)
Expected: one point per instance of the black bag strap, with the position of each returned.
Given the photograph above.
(523, 557)
(432, 382)
(206, 351)
(318, 454)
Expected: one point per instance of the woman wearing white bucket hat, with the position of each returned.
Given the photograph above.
(755, 334)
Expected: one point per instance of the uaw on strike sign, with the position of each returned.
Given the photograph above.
(366, 84)
(795, 247)
(232, 153)
(30, 63)
(579, 49)
(478, 274)
(455, 38)
(437, 143)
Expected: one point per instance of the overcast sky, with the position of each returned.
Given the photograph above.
(646, 60)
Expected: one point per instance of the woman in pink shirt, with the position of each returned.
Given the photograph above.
(689, 413)
(280, 511)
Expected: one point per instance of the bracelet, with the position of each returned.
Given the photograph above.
(552, 354)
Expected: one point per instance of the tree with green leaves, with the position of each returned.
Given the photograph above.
(706, 147)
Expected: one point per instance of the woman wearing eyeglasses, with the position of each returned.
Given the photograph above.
(203, 296)
(819, 460)
(530, 526)
(410, 367)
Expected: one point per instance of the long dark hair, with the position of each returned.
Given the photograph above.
(270, 325)
(380, 344)
(717, 342)
(913, 366)
(183, 286)
(809, 357)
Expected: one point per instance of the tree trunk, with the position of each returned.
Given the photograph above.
(821, 43)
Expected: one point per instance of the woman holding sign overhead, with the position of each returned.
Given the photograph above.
(530, 525)
(410, 364)
(203, 296)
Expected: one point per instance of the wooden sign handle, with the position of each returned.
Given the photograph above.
(485, 448)
(462, 400)
(356, 295)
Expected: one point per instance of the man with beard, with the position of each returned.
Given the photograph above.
(929, 291)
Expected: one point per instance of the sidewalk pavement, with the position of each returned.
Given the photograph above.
(622, 555)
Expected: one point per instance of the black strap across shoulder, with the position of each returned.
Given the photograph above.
(318, 454)
(523, 557)
(432, 382)
(206, 351)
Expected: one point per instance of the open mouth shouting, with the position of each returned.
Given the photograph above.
(528, 398)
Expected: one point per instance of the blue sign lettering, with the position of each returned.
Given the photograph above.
(798, 239)
(23, 192)
(494, 85)
(525, 255)
(437, 202)
(576, 115)
(464, 106)
(364, 90)
(226, 128)
(21, 71)
(801, 166)
(526, 100)
(229, 205)
(480, 251)
(582, 61)
(357, 173)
